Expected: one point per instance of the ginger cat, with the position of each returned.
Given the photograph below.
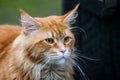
(41, 49)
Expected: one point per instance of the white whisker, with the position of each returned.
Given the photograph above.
(77, 66)
(46, 62)
(79, 28)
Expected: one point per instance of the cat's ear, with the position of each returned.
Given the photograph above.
(70, 17)
(28, 23)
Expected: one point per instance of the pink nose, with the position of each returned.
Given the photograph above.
(62, 51)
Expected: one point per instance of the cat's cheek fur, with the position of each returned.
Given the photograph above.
(36, 53)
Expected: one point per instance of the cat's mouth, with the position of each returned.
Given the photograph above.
(58, 60)
(61, 60)
(62, 57)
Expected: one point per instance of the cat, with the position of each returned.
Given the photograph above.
(39, 49)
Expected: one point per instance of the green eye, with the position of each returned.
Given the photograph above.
(50, 40)
(66, 39)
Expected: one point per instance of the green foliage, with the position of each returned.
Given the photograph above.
(9, 9)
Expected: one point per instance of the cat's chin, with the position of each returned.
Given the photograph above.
(61, 61)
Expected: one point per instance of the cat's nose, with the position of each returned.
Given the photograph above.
(62, 51)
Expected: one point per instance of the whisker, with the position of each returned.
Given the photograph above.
(40, 60)
(77, 52)
(79, 68)
(85, 57)
(79, 28)
(81, 61)
(46, 62)
(83, 74)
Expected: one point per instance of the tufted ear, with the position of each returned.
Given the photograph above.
(70, 17)
(28, 23)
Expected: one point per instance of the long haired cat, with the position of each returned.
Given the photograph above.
(41, 49)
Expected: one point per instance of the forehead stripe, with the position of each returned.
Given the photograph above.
(57, 30)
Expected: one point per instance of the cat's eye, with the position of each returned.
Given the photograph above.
(67, 39)
(49, 40)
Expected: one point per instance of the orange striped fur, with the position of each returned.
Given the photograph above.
(41, 49)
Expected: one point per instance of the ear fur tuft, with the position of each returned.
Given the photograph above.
(70, 17)
(28, 23)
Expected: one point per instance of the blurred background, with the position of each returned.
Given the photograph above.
(9, 9)
(100, 21)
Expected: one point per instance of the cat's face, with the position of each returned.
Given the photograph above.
(59, 41)
(54, 42)
(50, 39)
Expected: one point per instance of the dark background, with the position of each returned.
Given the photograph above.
(100, 19)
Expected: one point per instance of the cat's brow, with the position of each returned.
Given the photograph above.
(58, 32)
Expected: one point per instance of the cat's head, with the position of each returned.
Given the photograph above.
(48, 39)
